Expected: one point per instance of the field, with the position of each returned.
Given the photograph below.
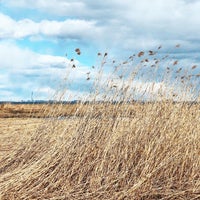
(100, 151)
(135, 135)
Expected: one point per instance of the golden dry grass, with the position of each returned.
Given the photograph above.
(105, 150)
(151, 153)
(9, 110)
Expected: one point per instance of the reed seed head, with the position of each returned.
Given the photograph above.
(141, 53)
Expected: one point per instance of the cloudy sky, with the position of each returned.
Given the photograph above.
(36, 36)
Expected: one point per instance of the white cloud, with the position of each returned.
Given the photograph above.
(74, 29)
(24, 70)
(58, 7)
(156, 13)
(19, 60)
(4, 79)
(114, 22)
(9, 96)
(119, 26)
(129, 25)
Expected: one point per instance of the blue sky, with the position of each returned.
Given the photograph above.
(35, 35)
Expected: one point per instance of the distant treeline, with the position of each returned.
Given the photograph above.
(40, 102)
(91, 102)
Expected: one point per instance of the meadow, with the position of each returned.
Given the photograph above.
(111, 149)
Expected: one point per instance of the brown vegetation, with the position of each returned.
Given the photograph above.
(140, 151)
(150, 153)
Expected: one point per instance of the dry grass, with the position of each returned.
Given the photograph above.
(152, 153)
(35, 110)
(140, 151)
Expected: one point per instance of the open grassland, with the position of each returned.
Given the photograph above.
(100, 151)
(108, 148)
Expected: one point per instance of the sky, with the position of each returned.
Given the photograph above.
(38, 39)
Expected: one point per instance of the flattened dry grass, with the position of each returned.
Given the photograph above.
(152, 153)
